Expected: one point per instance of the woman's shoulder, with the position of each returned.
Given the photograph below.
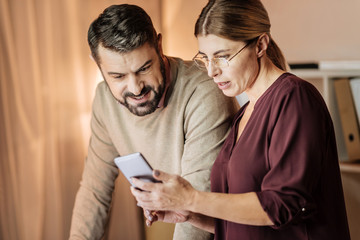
(290, 90)
(289, 83)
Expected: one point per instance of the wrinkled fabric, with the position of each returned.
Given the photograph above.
(287, 155)
(182, 137)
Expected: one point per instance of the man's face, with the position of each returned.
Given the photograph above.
(136, 78)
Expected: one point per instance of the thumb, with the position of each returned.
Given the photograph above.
(160, 175)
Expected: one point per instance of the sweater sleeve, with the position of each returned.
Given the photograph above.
(92, 204)
(204, 136)
(296, 157)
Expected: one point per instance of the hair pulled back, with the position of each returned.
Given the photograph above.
(239, 20)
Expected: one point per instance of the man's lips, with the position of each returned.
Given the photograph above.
(141, 98)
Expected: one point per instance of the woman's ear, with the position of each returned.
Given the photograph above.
(262, 44)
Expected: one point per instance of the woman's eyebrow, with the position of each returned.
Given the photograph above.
(215, 53)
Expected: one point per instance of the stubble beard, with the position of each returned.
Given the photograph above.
(147, 107)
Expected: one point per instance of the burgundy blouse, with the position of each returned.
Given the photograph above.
(287, 155)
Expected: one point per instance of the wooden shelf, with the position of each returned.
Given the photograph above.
(323, 80)
(353, 167)
(317, 73)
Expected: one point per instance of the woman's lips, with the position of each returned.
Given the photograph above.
(223, 85)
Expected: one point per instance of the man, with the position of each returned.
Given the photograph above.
(160, 106)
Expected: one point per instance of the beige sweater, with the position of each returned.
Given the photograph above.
(183, 137)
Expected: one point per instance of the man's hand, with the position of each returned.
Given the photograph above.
(165, 216)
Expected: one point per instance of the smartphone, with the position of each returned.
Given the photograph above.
(135, 165)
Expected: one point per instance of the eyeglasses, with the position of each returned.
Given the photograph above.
(203, 62)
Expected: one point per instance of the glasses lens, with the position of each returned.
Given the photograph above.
(200, 62)
(220, 62)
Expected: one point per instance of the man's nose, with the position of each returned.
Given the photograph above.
(135, 85)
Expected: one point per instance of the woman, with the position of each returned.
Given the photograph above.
(277, 175)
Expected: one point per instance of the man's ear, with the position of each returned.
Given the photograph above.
(159, 44)
(262, 44)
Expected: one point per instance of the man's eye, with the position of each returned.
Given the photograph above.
(120, 76)
(144, 69)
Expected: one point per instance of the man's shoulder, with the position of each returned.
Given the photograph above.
(102, 87)
(188, 78)
(102, 92)
(194, 86)
(187, 71)
(103, 99)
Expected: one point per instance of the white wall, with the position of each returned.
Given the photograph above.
(179, 17)
(309, 30)
(305, 30)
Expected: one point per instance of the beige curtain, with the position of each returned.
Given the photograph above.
(47, 82)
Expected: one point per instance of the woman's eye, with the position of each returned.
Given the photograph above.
(223, 56)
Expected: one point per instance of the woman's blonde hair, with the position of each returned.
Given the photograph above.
(239, 20)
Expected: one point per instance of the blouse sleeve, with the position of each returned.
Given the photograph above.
(297, 145)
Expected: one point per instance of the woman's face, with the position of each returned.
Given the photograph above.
(243, 66)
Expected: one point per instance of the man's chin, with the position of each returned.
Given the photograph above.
(141, 110)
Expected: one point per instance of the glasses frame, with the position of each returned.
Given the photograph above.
(214, 61)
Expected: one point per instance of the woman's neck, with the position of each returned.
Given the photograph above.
(268, 73)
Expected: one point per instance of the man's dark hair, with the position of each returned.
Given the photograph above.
(121, 28)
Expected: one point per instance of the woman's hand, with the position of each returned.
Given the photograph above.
(173, 194)
(172, 201)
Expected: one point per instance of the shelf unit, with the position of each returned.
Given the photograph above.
(323, 81)
(350, 167)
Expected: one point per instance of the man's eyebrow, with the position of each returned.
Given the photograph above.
(117, 73)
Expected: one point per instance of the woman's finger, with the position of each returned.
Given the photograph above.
(145, 186)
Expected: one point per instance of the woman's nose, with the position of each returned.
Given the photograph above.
(213, 70)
